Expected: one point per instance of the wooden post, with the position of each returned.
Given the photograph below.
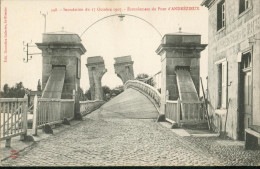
(167, 94)
(206, 105)
(75, 102)
(4, 113)
(73, 95)
(15, 122)
(8, 142)
(189, 110)
(8, 119)
(178, 111)
(12, 112)
(35, 106)
(25, 112)
(62, 113)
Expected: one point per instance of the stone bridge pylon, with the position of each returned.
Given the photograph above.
(124, 68)
(61, 70)
(96, 70)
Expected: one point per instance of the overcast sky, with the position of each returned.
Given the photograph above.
(109, 38)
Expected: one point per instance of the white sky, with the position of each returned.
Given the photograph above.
(109, 38)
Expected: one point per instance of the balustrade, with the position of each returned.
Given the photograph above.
(148, 89)
(90, 105)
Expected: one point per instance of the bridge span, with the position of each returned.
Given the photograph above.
(130, 104)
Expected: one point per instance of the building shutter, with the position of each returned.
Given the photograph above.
(219, 86)
(224, 84)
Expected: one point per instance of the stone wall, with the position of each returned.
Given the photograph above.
(174, 59)
(227, 43)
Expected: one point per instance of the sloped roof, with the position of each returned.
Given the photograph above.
(207, 3)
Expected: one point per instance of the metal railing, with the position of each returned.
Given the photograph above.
(185, 111)
(148, 89)
(89, 106)
(13, 118)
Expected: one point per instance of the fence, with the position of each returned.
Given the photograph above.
(150, 90)
(51, 111)
(89, 106)
(13, 118)
(172, 112)
(185, 111)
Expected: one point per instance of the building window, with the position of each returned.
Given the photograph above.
(221, 21)
(246, 61)
(246, 65)
(222, 85)
(243, 5)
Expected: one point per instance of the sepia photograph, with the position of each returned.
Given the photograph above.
(130, 83)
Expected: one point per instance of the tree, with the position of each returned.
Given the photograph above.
(143, 77)
(117, 90)
(17, 91)
(39, 87)
(88, 94)
(6, 88)
(82, 96)
(106, 92)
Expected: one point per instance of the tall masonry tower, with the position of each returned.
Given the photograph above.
(61, 60)
(180, 62)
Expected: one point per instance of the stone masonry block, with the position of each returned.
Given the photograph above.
(124, 68)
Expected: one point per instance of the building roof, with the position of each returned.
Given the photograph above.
(182, 33)
(60, 33)
(207, 3)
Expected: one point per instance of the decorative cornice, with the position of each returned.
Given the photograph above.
(172, 47)
(96, 63)
(64, 45)
(124, 63)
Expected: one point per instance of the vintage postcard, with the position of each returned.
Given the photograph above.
(130, 83)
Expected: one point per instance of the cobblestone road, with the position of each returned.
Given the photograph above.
(98, 141)
(103, 141)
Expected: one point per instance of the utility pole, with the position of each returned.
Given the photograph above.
(44, 15)
(28, 54)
